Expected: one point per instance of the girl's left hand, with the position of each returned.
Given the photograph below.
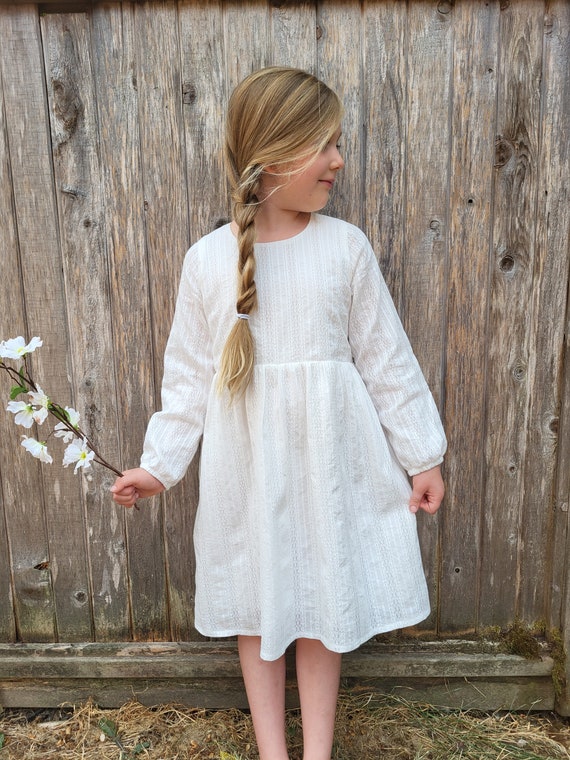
(427, 491)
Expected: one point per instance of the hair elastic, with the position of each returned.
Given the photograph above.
(242, 316)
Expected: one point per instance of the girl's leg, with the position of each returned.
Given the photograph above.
(265, 687)
(318, 677)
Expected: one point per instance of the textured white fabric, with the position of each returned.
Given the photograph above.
(303, 527)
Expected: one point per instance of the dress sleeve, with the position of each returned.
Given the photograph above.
(173, 434)
(384, 358)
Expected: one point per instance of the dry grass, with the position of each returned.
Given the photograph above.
(368, 728)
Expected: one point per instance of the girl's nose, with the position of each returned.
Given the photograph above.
(337, 161)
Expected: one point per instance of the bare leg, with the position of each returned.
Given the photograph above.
(265, 687)
(318, 677)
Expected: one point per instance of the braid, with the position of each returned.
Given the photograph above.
(236, 365)
(276, 116)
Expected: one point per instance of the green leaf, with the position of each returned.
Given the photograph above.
(141, 746)
(108, 728)
(2, 740)
(16, 390)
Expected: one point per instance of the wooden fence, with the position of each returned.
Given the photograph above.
(457, 147)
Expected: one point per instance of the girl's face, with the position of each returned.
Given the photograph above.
(304, 190)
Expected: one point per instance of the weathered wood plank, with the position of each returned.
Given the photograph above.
(562, 524)
(211, 661)
(23, 479)
(510, 327)
(385, 94)
(12, 323)
(471, 161)
(77, 174)
(113, 40)
(293, 30)
(423, 262)
(204, 103)
(557, 54)
(477, 694)
(549, 296)
(246, 40)
(209, 676)
(167, 236)
(340, 30)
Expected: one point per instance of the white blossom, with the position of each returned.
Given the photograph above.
(16, 348)
(41, 405)
(24, 413)
(36, 449)
(78, 453)
(62, 431)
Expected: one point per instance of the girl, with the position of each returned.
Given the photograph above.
(286, 354)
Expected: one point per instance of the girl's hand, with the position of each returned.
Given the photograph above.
(135, 484)
(427, 491)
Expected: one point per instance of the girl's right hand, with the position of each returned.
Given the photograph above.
(135, 484)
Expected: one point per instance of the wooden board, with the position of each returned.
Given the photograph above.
(543, 517)
(340, 28)
(129, 308)
(167, 239)
(509, 378)
(206, 675)
(11, 323)
(472, 156)
(34, 253)
(77, 174)
(423, 259)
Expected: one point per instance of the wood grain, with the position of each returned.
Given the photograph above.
(29, 490)
(423, 261)
(77, 175)
(471, 176)
(543, 520)
(115, 49)
(12, 323)
(167, 238)
(509, 378)
(340, 28)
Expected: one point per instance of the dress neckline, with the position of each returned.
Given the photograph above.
(283, 241)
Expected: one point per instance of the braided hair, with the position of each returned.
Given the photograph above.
(276, 116)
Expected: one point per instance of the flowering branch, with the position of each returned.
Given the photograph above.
(80, 450)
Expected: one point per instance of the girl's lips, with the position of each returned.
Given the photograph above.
(329, 182)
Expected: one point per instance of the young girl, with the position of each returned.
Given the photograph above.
(287, 356)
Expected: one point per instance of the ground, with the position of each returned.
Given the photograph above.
(369, 728)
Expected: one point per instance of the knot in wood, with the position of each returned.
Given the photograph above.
(550, 425)
(519, 372)
(67, 106)
(548, 23)
(507, 264)
(189, 93)
(503, 151)
(445, 7)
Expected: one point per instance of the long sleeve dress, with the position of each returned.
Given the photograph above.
(303, 528)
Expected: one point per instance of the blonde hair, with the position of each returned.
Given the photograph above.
(276, 116)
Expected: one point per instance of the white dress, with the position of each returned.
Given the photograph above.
(303, 527)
